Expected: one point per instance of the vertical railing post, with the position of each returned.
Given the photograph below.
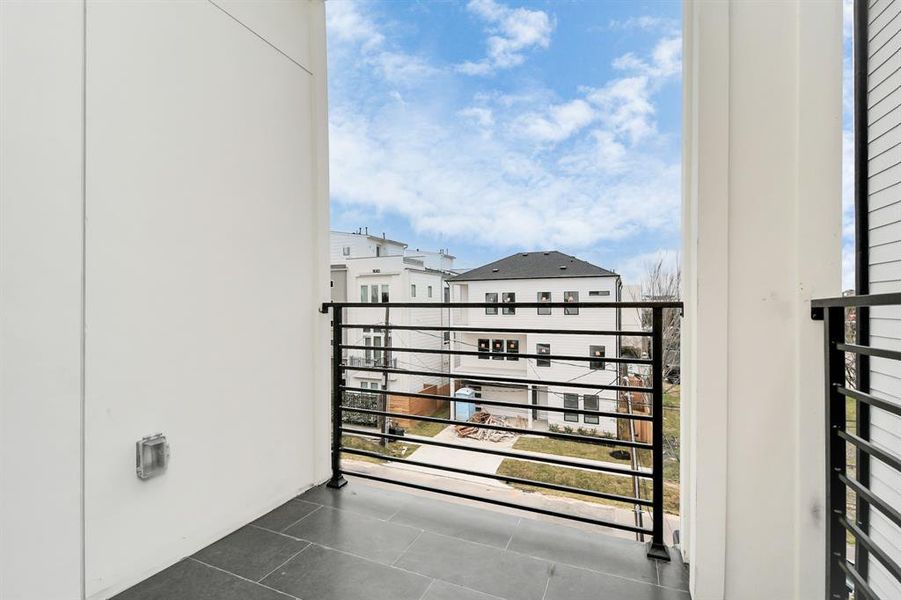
(337, 480)
(836, 462)
(657, 548)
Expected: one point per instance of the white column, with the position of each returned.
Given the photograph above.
(762, 235)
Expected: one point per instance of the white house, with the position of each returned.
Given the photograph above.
(549, 276)
(375, 270)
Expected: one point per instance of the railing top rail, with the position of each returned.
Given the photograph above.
(650, 304)
(855, 301)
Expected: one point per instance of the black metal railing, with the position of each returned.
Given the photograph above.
(844, 575)
(651, 386)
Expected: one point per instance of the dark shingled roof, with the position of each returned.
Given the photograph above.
(534, 265)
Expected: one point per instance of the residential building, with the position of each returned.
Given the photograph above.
(377, 270)
(544, 276)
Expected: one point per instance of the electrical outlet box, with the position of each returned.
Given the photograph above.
(152, 456)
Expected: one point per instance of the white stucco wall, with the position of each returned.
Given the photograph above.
(202, 152)
(762, 235)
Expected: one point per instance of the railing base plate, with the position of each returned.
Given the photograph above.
(336, 482)
(658, 551)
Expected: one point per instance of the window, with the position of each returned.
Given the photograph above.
(497, 347)
(447, 294)
(385, 293)
(345, 250)
(509, 297)
(544, 297)
(571, 297)
(543, 349)
(591, 403)
(378, 250)
(484, 348)
(367, 341)
(412, 290)
(490, 310)
(377, 354)
(571, 401)
(599, 293)
(446, 337)
(598, 353)
(429, 291)
(364, 293)
(374, 296)
(512, 348)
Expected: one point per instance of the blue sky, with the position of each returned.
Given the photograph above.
(490, 127)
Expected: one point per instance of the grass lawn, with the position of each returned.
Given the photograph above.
(589, 480)
(426, 429)
(671, 424)
(392, 450)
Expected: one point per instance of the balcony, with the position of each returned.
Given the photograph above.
(368, 542)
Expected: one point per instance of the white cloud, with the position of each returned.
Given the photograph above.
(645, 23)
(560, 121)
(512, 31)
(351, 28)
(511, 169)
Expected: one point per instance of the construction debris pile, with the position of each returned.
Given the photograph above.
(480, 433)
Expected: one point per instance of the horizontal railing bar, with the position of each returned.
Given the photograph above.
(872, 499)
(482, 401)
(525, 507)
(474, 329)
(862, 300)
(869, 351)
(505, 453)
(653, 304)
(871, 400)
(874, 451)
(543, 382)
(859, 584)
(867, 542)
(486, 354)
(571, 437)
(508, 479)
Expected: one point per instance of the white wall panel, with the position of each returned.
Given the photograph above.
(41, 156)
(201, 257)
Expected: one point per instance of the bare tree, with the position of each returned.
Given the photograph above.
(663, 282)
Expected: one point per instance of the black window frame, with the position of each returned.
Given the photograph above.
(508, 297)
(495, 344)
(543, 349)
(484, 347)
(512, 348)
(491, 297)
(544, 310)
(568, 416)
(591, 419)
(597, 365)
(571, 310)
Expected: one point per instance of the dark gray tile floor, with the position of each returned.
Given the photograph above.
(369, 543)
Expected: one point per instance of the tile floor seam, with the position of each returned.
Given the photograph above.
(617, 576)
(554, 561)
(262, 585)
(410, 545)
(483, 545)
(428, 587)
(547, 584)
(513, 533)
(281, 533)
(408, 571)
(292, 557)
(315, 510)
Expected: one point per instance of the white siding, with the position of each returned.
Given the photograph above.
(884, 154)
(527, 290)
